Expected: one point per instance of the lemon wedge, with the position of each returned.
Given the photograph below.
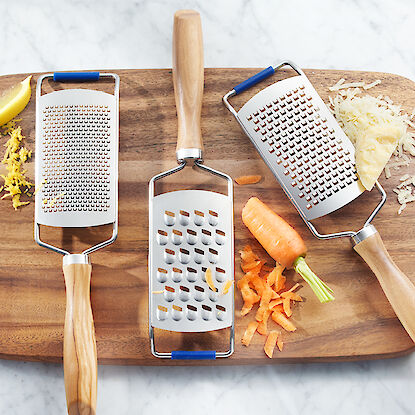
(14, 100)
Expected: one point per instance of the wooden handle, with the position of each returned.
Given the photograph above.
(79, 347)
(399, 290)
(188, 74)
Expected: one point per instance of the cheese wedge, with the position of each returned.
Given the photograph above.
(374, 147)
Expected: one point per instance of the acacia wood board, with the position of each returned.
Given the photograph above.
(359, 324)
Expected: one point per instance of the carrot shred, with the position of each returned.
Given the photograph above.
(274, 303)
(280, 344)
(291, 295)
(248, 255)
(246, 308)
(286, 303)
(274, 295)
(263, 305)
(251, 179)
(270, 343)
(209, 280)
(249, 333)
(254, 267)
(294, 287)
(227, 285)
(283, 321)
(258, 283)
(280, 280)
(262, 326)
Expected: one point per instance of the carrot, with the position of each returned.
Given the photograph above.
(262, 326)
(280, 344)
(292, 296)
(278, 238)
(249, 333)
(246, 308)
(283, 243)
(270, 343)
(252, 179)
(283, 321)
(258, 283)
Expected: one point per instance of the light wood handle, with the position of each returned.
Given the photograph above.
(79, 346)
(399, 290)
(188, 72)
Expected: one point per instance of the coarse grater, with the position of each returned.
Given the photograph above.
(77, 186)
(190, 231)
(313, 160)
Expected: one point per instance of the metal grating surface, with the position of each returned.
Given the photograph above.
(303, 145)
(190, 231)
(76, 158)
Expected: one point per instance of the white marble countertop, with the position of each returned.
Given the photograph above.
(96, 34)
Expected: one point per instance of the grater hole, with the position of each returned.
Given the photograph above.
(213, 218)
(199, 218)
(177, 274)
(169, 293)
(213, 256)
(184, 256)
(184, 293)
(162, 237)
(169, 218)
(176, 237)
(206, 312)
(220, 274)
(206, 237)
(220, 237)
(198, 255)
(169, 256)
(177, 312)
(191, 237)
(199, 294)
(191, 312)
(184, 218)
(162, 313)
(191, 274)
(161, 275)
(220, 312)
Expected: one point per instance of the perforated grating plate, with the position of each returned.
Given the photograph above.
(190, 231)
(303, 145)
(76, 158)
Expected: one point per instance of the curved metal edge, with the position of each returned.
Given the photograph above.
(352, 234)
(46, 245)
(104, 243)
(167, 355)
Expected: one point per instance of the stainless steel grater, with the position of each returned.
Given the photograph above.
(313, 160)
(77, 181)
(190, 231)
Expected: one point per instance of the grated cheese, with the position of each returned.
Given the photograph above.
(15, 181)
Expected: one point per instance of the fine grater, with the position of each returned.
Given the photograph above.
(313, 160)
(190, 231)
(77, 180)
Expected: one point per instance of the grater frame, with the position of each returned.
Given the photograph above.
(79, 76)
(204, 354)
(271, 162)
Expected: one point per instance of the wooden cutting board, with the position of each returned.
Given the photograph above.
(359, 324)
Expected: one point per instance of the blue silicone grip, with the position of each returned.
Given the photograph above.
(75, 76)
(196, 355)
(253, 80)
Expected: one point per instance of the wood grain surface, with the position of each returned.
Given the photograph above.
(359, 324)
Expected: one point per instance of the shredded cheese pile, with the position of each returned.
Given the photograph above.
(15, 181)
(356, 113)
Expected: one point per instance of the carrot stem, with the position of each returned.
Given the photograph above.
(320, 288)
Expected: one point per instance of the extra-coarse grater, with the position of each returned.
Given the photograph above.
(313, 160)
(190, 231)
(77, 181)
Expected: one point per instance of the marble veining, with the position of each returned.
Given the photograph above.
(375, 35)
